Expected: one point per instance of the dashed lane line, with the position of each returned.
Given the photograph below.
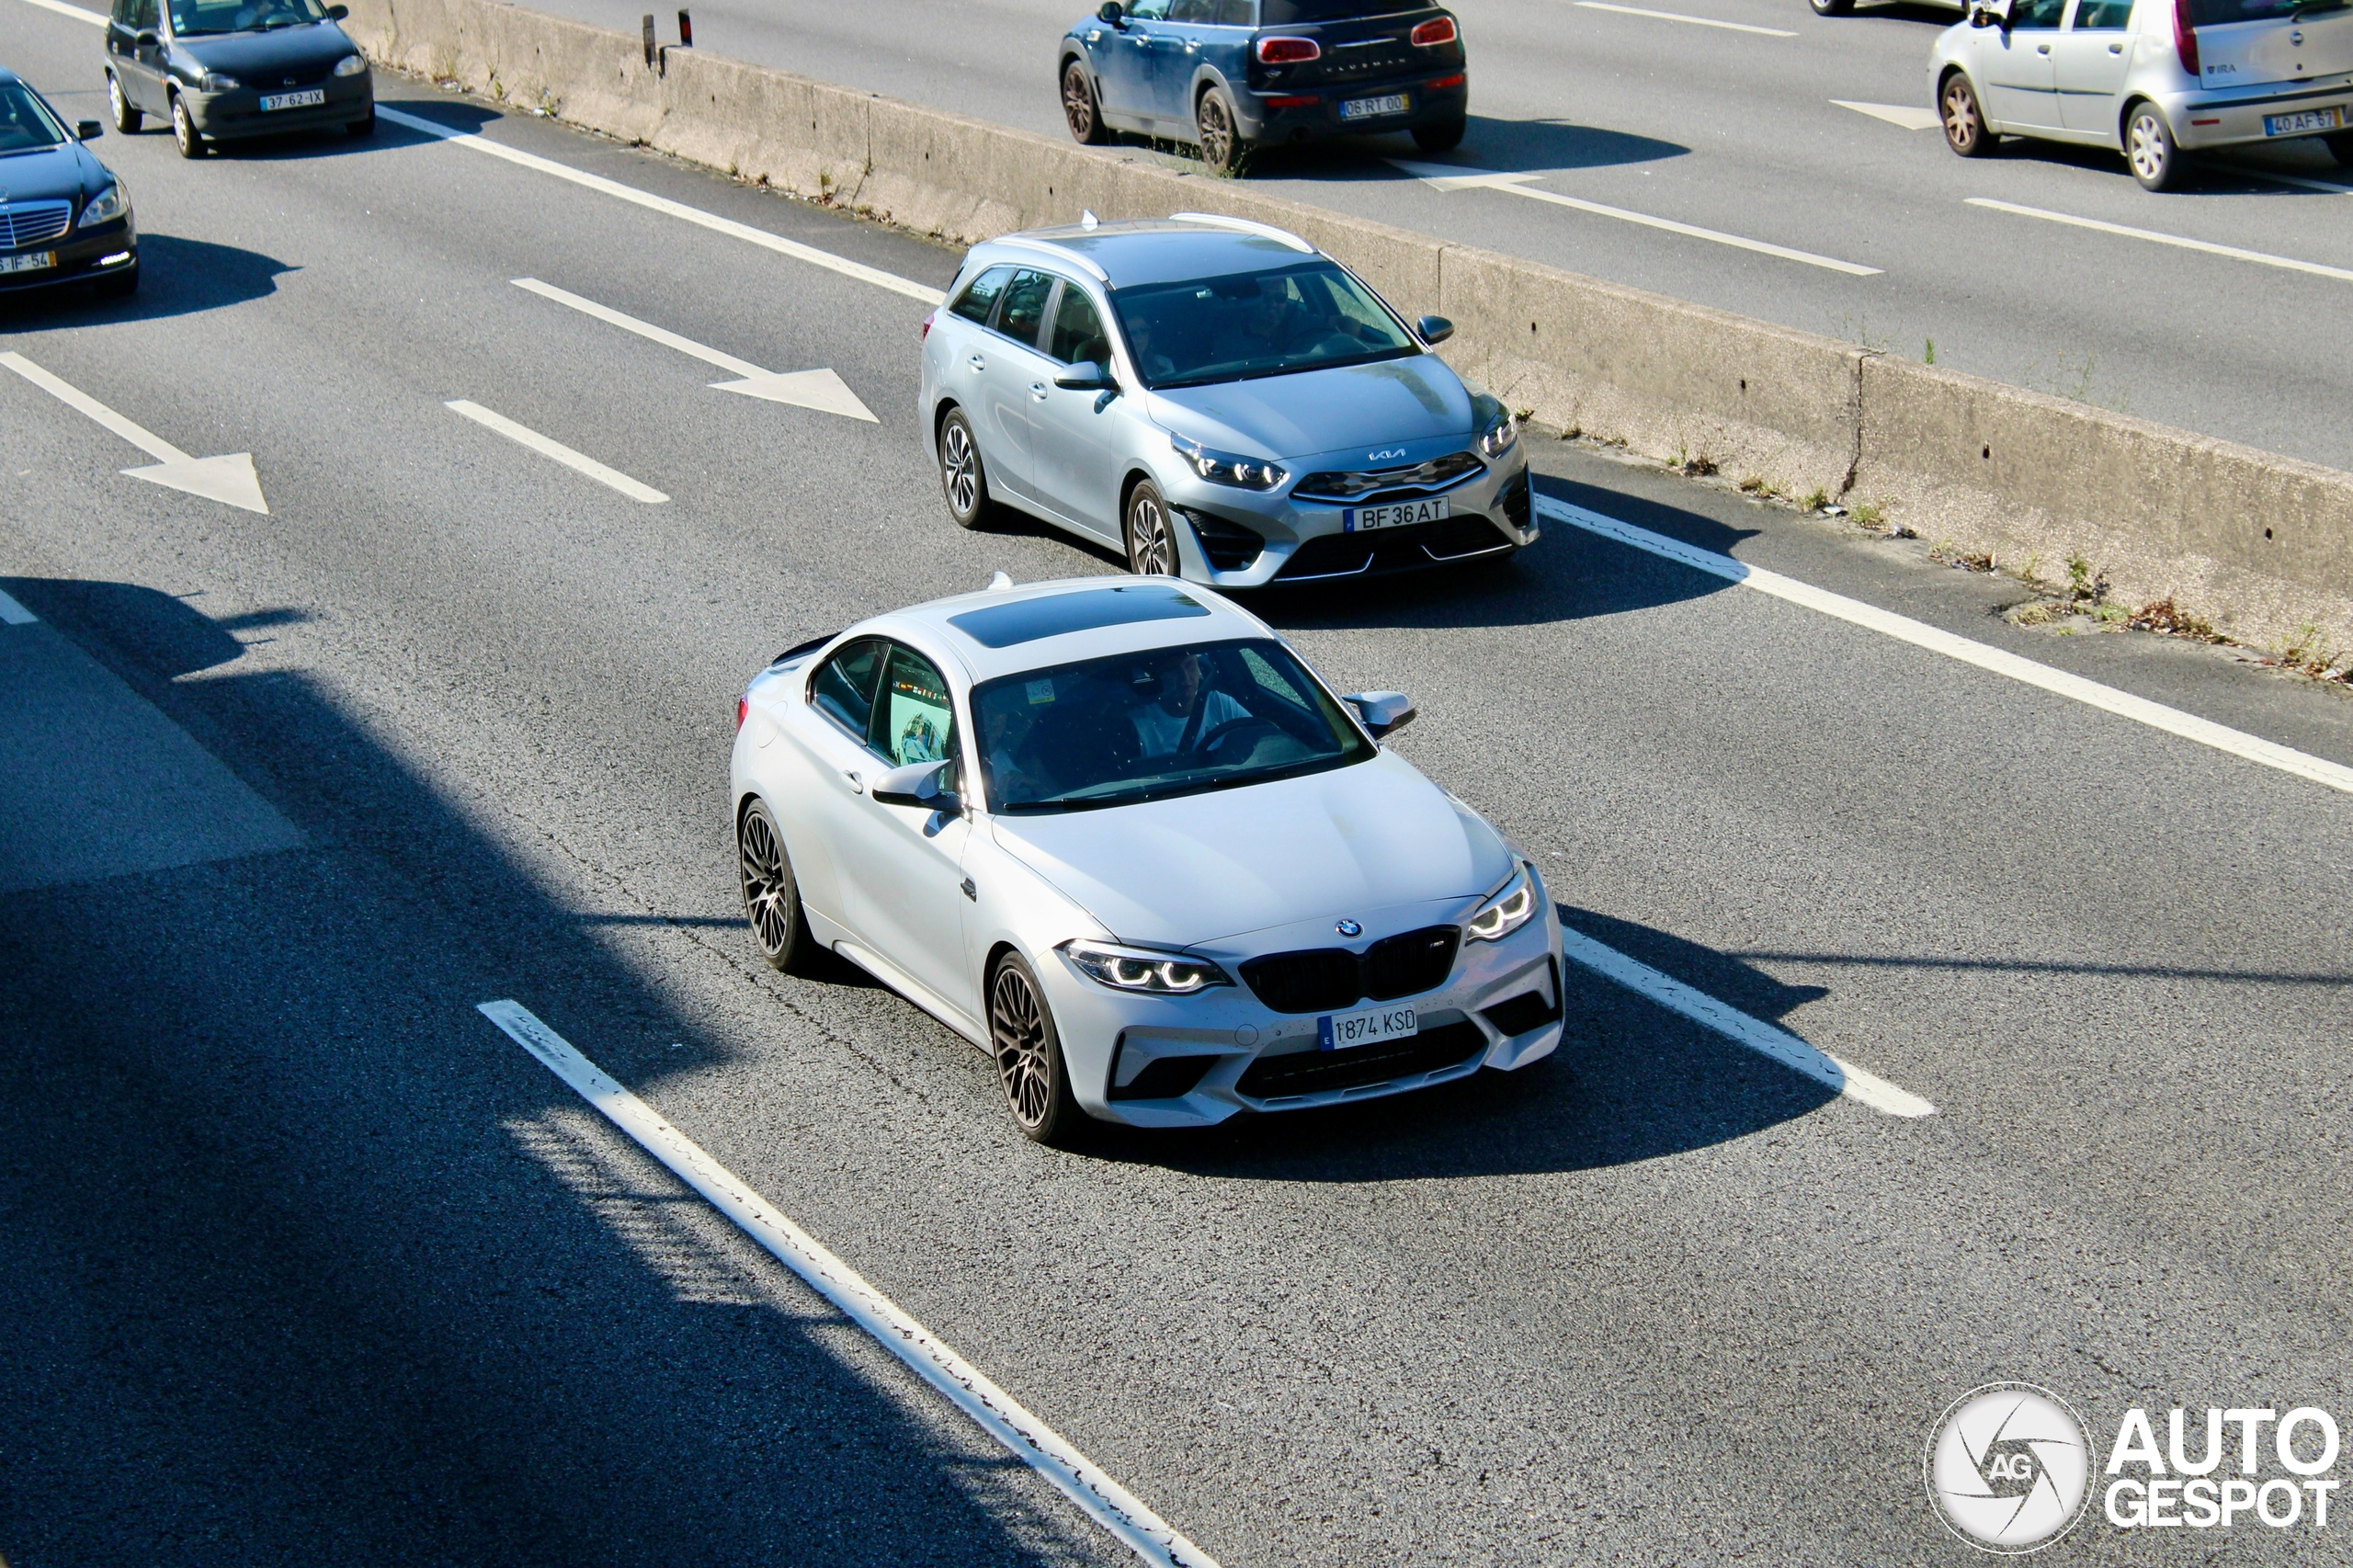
(96, 19)
(473, 142)
(14, 614)
(2179, 242)
(548, 445)
(1904, 629)
(1152, 1539)
(1679, 17)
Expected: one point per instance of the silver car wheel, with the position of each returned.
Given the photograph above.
(771, 899)
(1964, 128)
(1150, 551)
(961, 478)
(1029, 1056)
(126, 119)
(184, 132)
(2148, 147)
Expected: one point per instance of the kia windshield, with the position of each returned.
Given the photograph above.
(1307, 317)
(1146, 726)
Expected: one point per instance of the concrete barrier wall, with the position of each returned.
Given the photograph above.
(2259, 544)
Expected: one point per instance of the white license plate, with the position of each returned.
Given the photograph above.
(31, 261)
(293, 100)
(1365, 109)
(1358, 519)
(2303, 124)
(1341, 1031)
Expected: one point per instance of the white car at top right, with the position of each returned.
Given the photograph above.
(2154, 79)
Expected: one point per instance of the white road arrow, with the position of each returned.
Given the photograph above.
(820, 390)
(1451, 177)
(229, 479)
(1911, 116)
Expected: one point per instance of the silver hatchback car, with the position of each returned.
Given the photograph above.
(2152, 78)
(1220, 401)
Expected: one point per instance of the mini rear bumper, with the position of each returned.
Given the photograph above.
(225, 116)
(81, 257)
(1310, 114)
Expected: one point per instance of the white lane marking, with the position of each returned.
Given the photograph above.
(1775, 1044)
(1909, 115)
(1904, 629)
(663, 204)
(548, 445)
(1104, 1500)
(14, 614)
(94, 19)
(820, 390)
(1451, 177)
(1679, 17)
(2179, 242)
(229, 478)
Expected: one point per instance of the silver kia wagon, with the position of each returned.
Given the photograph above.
(1217, 399)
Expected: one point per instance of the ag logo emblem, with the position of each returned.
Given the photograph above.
(2008, 1468)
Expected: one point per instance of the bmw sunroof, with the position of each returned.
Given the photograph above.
(1058, 615)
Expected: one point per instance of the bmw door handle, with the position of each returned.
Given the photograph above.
(1038, 391)
(977, 362)
(857, 783)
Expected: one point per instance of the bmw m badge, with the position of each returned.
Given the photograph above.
(1349, 928)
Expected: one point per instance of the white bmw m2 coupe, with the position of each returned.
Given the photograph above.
(1118, 834)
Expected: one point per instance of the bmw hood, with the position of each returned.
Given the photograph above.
(1391, 402)
(251, 57)
(1202, 868)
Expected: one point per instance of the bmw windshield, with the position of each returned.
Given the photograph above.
(1146, 726)
(1308, 317)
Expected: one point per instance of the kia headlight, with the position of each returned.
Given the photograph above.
(1224, 468)
(107, 206)
(213, 81)
(1507, 912)
(351, 65)
(1497, 428)
(1141, 969)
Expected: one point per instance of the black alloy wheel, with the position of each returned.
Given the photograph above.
(962, 479)
(185, 134)
(1442, 137)
(1080, 106)
(1151, 548)
(771, 897)
(126, 119)
(1965, 130)
(1223, 147)
(2149, 148)
(1029, 1055)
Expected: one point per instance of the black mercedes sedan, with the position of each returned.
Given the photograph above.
(217, 69)
(64, 216)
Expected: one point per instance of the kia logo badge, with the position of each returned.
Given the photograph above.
(1386, 455)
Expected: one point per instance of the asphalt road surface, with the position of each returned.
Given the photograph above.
(1743, 130)
(308, 1263)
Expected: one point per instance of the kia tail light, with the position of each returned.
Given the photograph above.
(1432, 33)
(1288, 50)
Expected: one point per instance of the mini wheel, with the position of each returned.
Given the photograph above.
(1217, 134)
(1081, 110)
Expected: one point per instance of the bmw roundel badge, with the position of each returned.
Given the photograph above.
(1349, 928)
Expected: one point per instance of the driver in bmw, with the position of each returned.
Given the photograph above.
(1174, 725)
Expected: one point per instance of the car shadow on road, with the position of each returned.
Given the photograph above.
(176, 278)
(1630, 1082)
(1494, 146)
(2200, 176)
(309, 1260)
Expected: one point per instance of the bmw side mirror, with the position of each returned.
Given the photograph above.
(1383, 712)
(1087, 375)
(923, 785)
(1434, 329)
(88, 130)
(1113, 13)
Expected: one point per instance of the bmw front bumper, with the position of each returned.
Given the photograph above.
(1194, 1061)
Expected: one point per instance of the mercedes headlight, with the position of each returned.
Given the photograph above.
(1497, 428)
(1507, 912)
(107, 206)
(214, 82)
(351, 65)
(1224, 468)
(1141, 969)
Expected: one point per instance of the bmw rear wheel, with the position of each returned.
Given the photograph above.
(126, 119)
(771, 896)
(1223, 147)
(1029, 1055)
(2149, 148)
(963, 479)
(1080, 108)
(1151, 548)
(1965, 130)
(190, 140)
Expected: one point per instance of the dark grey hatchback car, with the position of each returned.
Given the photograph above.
(217, 69)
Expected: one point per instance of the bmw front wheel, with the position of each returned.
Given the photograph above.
(1151, 548)
(771, 896)
(963, 479)
(1029, 1055)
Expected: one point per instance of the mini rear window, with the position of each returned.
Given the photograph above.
(1058, 615)
(1305, 13)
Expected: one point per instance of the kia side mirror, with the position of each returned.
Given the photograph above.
(1383, 712)
(1087, 375)
(88, 130)
(923, 785)
(1434, 329)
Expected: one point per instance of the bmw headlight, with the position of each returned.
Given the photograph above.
(107, 206)
(1507, 912)
(1497, 428)
(1224, 468)
(351, 65)
(1141, 969)
(214, 82)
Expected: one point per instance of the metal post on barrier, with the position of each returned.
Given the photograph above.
(685, 30)
(649, 37)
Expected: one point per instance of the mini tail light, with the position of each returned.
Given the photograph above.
(743, 710)
(1445, 82)
(1432, 33)
(1288, 50)
(2185, 37)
